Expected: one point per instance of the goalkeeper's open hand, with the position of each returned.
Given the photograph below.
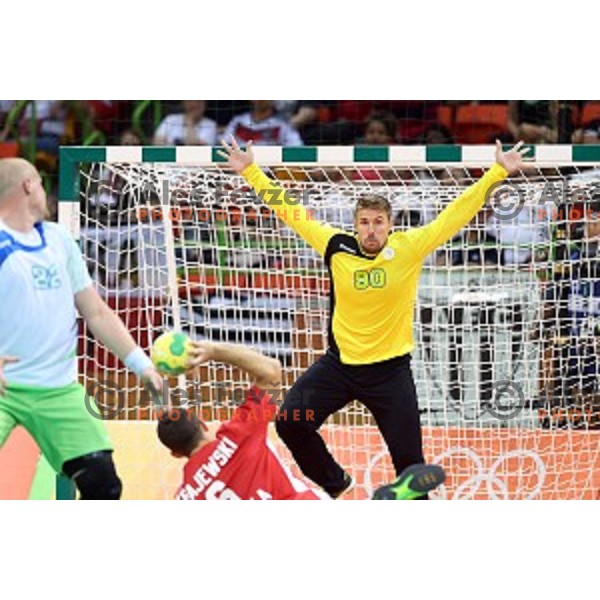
(513, 160)
(237, 159)
(4, 360)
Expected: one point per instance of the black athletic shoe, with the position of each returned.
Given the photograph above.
(415, 481)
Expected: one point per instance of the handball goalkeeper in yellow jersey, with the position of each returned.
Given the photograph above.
(374, 277)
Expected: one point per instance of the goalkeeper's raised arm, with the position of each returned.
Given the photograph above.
(289, 209)
(460, 212)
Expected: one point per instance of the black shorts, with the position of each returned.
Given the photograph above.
(386, 388)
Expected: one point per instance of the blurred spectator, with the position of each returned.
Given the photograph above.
(381, 129)
(413, 116)
(263, 127)
(297, 112)
(313, 121)
(318, 121)
(306, 113)
(222, 111)
(190, 128)
(129, 138)
(436, 134)
(533, 121)
(588, 134)
(105, 115)
(51, 123)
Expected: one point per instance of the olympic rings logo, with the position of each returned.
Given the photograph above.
(493, 479)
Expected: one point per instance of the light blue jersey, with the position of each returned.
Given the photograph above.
(40, 272)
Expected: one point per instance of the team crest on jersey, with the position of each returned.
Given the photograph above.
(388, 253)
(45, 278)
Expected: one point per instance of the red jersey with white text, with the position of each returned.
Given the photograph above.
(242, 463)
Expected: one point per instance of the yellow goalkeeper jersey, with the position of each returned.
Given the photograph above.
(373, 297)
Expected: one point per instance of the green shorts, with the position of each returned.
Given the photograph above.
(57, 419)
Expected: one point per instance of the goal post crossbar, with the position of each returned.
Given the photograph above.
(71, 156)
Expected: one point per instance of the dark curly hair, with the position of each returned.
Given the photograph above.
(179, 430)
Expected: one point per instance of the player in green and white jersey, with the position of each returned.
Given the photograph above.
(43, 283)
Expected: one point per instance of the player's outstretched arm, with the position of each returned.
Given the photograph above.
(460, 211)
(286, 205)
(264, 371)
(237, 159)
(108, 328)
(5, 360)
(514, 160)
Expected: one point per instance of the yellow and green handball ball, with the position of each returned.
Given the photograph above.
(170, 352)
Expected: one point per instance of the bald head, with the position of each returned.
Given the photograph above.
(13, 173)
(23, 199)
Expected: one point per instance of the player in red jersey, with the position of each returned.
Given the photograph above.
(238, 461)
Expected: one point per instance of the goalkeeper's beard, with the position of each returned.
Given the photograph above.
(371, 245)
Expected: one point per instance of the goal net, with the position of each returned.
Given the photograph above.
(506, 323)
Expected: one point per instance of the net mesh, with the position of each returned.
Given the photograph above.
(506, 322)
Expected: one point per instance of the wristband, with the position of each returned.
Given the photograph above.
(138, 361)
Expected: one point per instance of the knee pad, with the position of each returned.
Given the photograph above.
(95, 476)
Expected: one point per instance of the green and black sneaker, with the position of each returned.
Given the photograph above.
(415, 481)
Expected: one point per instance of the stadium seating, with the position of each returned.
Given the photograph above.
(591, 112)
(9, 149)
(445, 116)
(480, 123)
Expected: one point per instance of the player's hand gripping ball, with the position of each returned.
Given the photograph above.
(170, 353)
